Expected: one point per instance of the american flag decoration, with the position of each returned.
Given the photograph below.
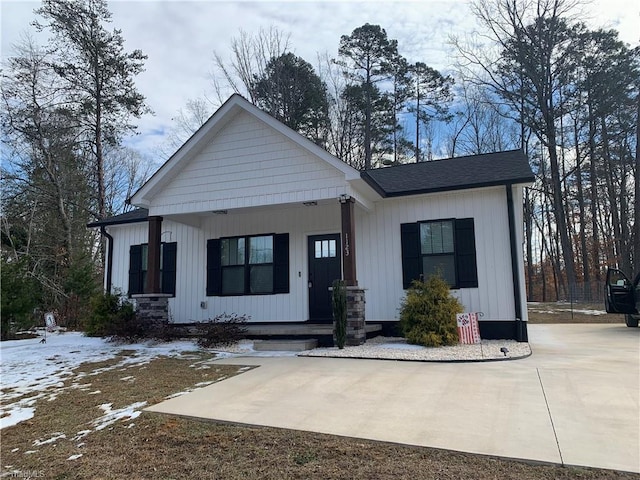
(468, 330)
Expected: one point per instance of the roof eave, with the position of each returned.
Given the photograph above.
(373, 184)
(112, 221)
(422, 191)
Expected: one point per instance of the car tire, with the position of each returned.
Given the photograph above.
(631, 320)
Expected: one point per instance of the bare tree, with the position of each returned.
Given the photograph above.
(250, 55)
(185, 123)
(533, 39)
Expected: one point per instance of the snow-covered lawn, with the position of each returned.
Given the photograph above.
(31, 370)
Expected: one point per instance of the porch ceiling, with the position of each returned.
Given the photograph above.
(195, 219)
(199, 210)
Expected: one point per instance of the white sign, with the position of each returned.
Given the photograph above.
(50, 321)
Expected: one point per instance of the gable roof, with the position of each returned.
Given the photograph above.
(225, 114)
(134, 216)
(474, 171)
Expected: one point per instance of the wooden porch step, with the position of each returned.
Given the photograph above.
(297, 345)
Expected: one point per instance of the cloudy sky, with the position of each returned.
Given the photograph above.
(180, 37)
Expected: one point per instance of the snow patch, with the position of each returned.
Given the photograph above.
(111, 416)
(30, 368)
(56, 436)
(75, 457)
(16, 415)
(81, 434)
(203, 384)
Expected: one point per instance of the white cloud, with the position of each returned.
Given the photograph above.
(180, 37)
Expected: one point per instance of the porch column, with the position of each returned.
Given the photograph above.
(152, 284)
(348, 240)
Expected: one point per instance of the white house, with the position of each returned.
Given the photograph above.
(250, 217)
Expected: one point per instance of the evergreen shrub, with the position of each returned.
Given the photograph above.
(19, 297)
(112, 315)
(428, 313)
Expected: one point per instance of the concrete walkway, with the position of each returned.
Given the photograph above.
(575, 401)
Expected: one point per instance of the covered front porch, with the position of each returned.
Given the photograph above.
(300, 294)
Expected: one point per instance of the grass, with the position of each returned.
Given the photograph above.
(154, 446)
(567, 313)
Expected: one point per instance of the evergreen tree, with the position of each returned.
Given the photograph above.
(431, 92)
(366, 57)
(95, 68)
(291, 92)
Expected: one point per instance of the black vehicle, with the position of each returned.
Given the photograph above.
(623, 296)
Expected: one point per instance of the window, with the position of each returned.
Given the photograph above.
(325, 249)
(138, 256)
(444, 246)
(250, 265)
(261, 264)
(232, 266)
(437, 250)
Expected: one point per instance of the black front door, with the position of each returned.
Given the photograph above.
(324, 268)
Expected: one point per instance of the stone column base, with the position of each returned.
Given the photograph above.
(356, 333)
(152, 312)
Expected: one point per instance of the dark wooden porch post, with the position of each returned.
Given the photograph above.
(152, 284)
(348, 240)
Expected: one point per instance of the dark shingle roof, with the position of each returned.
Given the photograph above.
(134, 216)
(458, 173)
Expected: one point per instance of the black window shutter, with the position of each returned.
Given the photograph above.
(411, 259)
(214, 268)
(135, 269)
(281, 263)
(466, 253)
(169, 251)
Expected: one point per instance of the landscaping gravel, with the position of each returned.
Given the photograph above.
(394, 348)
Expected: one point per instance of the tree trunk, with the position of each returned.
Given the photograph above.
(613, 197)
(636, 202)
(418, 121)
(584, 253)
(558, 208)
(593, 178)
(367, 122)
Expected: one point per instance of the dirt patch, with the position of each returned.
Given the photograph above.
(63, 440)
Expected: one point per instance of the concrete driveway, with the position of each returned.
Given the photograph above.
(574, 401)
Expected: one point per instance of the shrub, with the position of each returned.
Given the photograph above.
(19, 296)
(339, 304)
(80, 285)
(225, 329)
(428, 313)
(113, 316)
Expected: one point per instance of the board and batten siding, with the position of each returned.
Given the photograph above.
(378, 250)
(248, 164)
(298, 221)
(379, 258)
